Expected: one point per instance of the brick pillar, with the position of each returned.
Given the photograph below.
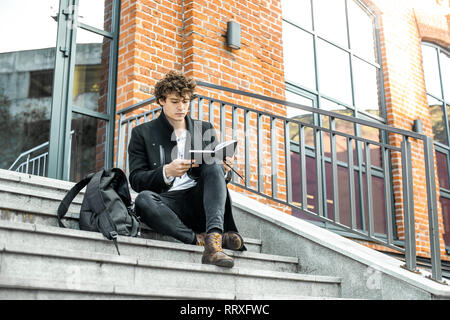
(149, 46)
(103, 91)
(256, 67)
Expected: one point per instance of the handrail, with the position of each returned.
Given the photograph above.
(363, 166)
(288, 104)
(136, 106)
(28, 152)
(315, 110)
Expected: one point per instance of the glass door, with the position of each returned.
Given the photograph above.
(82, 130)
(91, 93)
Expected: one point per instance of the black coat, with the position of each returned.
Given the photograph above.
(153, 144)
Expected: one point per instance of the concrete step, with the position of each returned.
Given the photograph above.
(37, 289)
(76, 270)
(48, 237)
(35, 200)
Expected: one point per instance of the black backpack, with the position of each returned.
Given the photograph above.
(106, 206)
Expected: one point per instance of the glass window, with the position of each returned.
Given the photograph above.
(330, 20)
(431, 70)
(96, 13)
(298, 56)
(445, 204)
(342, 74)
(436, 64)
(442, 170)
(41, 84)
(322, 57)
(339, 124)
(444, 59)
(298, 12)
(334, 72)
(438, 120)
(90, 86)
(362, 35)
(372, 134)
(436, 67)
(300, 115)
(366, 87)
(87, 146)
(342, 126)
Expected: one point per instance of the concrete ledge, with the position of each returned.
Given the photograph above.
(37, 181)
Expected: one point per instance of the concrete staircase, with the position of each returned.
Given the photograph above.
(39, 260)
(288, 258)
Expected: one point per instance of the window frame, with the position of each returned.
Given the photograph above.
(445, 101)
(316, 95)
(352, 55)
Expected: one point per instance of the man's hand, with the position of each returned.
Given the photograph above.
(230, 162)
(178, 167)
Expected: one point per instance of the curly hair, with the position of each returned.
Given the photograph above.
(174, 82)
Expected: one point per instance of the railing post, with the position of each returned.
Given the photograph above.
(287, 158)
(28, 163)
(436, 272)
(119, 143)
(408, 206)
(274, 154)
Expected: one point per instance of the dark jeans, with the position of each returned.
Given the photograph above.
(182, 213)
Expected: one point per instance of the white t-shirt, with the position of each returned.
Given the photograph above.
(183, 182)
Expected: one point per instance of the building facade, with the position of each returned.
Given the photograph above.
(385, 62)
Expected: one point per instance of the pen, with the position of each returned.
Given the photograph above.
(233, 170)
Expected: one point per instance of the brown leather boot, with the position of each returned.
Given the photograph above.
(232, 240)
(200, 238)
(213, 253)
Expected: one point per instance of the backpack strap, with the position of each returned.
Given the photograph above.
(68, 198)
(124, 193)
(122, 187)
(95, 200)
(93, 195)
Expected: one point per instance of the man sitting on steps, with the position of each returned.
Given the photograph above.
(178, 196)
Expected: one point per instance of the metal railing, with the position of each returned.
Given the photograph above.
(269, 155)
(36, 165)
(33, 165)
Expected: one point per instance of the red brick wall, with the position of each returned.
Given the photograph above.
(256, 67)
(149, 45)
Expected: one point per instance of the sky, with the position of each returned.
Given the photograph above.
(28, 24)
